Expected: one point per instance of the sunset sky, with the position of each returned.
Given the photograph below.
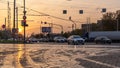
(92, 9)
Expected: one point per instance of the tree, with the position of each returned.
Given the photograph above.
(77, 32)
(109, 21)
(94, 27)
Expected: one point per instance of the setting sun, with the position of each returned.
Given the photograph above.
(20, 29)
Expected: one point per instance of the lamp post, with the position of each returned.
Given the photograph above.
(60, 27)
(73, 23)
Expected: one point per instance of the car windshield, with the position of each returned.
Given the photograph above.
(76, 37)
(102, 37)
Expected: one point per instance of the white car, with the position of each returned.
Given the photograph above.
(60, 39)
(75, 40)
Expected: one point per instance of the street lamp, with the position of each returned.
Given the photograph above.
(72, 22)
(59, 26)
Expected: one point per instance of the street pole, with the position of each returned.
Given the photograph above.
(5, 23)
(17, 22)
(75, 25)
(88, 24)
(24, 23)
(14, 15)
(13, 30)
(9, 17)
(17, 17)
(72, 22)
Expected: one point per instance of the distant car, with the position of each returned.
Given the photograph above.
(75, 40)
(32, 40)
(60, 39)
(103, 40)
(45, 39)
(10, 39)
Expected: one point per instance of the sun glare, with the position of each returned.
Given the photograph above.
(20, 29)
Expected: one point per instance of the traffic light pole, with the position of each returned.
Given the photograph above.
(24, 23)
(14, 21)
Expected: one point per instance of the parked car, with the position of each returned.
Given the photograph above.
(103, 40)
(32, 40)
(75, 40)
(60, 39)
(45, 39)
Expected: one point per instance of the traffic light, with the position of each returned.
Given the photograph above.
(64, 11)
(45, 22)
(103, 9)
(23, 22)
(80, 11)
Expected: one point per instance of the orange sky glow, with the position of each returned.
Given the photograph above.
(91, 8)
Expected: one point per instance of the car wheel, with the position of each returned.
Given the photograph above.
(74, 43)
(83, 43)
(68, 43)
(109, 43)
(96, 42)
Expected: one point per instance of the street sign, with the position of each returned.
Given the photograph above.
(24, 17)
(46, 29)
(3, 26)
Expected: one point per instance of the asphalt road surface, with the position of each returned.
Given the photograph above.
(59, 55)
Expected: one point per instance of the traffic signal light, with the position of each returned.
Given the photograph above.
(23, 22)
(80, 11)
(64, 11)
(45, 22)
(104, 10)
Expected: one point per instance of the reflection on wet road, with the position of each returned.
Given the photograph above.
(58, 56)
(18, 55)
(13, 54)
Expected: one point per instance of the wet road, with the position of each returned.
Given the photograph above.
(53, 55)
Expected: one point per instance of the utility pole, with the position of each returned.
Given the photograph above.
(17, 18)
(14, 14)
(5, 23)
(24, 17)
(88, 24)
(17, 22)
(9, 17)
(13, 30)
